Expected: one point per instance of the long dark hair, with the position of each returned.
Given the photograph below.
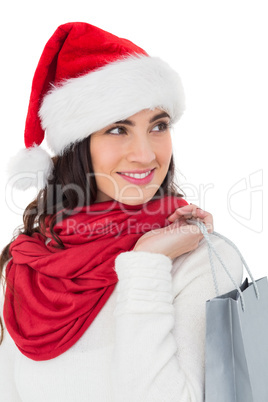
(72, 182)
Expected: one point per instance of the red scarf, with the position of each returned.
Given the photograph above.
(53, 294)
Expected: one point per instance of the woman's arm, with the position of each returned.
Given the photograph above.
(160, 323)
(8, 392)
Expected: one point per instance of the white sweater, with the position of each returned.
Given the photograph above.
(145, 345)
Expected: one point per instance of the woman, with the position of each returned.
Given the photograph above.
(106, 285)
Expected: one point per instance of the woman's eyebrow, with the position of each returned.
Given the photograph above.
(131, 123)
(159, 116)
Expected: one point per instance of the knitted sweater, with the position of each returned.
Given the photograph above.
(145, 345)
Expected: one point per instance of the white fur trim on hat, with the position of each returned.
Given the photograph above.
(31, 167)
(80, 106)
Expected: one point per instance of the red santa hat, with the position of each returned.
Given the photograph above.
(86, 79)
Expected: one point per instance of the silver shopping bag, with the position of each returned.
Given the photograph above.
(237, 345)
(236, 338)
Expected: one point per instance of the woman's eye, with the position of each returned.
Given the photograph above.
(161, 127)
(117, 130)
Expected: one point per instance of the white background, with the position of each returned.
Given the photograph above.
(220, 50)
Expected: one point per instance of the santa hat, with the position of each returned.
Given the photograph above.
(86, 79)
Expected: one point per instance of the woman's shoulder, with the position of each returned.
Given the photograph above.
(194, 268)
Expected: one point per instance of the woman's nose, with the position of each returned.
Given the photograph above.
(141, 150)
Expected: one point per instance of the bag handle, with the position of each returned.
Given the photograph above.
(211, 249)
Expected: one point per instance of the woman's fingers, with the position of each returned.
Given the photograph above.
(186, 212)
(192, 211)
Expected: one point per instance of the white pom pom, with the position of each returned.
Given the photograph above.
(30, 167)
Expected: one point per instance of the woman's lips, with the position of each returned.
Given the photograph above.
(138, 177)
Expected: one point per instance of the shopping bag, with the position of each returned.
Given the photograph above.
(237, 346)
(236, 366)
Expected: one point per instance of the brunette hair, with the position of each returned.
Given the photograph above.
(71, 183)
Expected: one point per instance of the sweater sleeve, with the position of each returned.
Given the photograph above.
(8, 392)
(160, 323)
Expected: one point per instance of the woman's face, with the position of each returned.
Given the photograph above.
(130, 158)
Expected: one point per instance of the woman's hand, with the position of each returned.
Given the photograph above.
(179, 237)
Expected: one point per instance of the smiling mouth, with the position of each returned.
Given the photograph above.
(137, 175)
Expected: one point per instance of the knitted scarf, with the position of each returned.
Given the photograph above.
(54, 294)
